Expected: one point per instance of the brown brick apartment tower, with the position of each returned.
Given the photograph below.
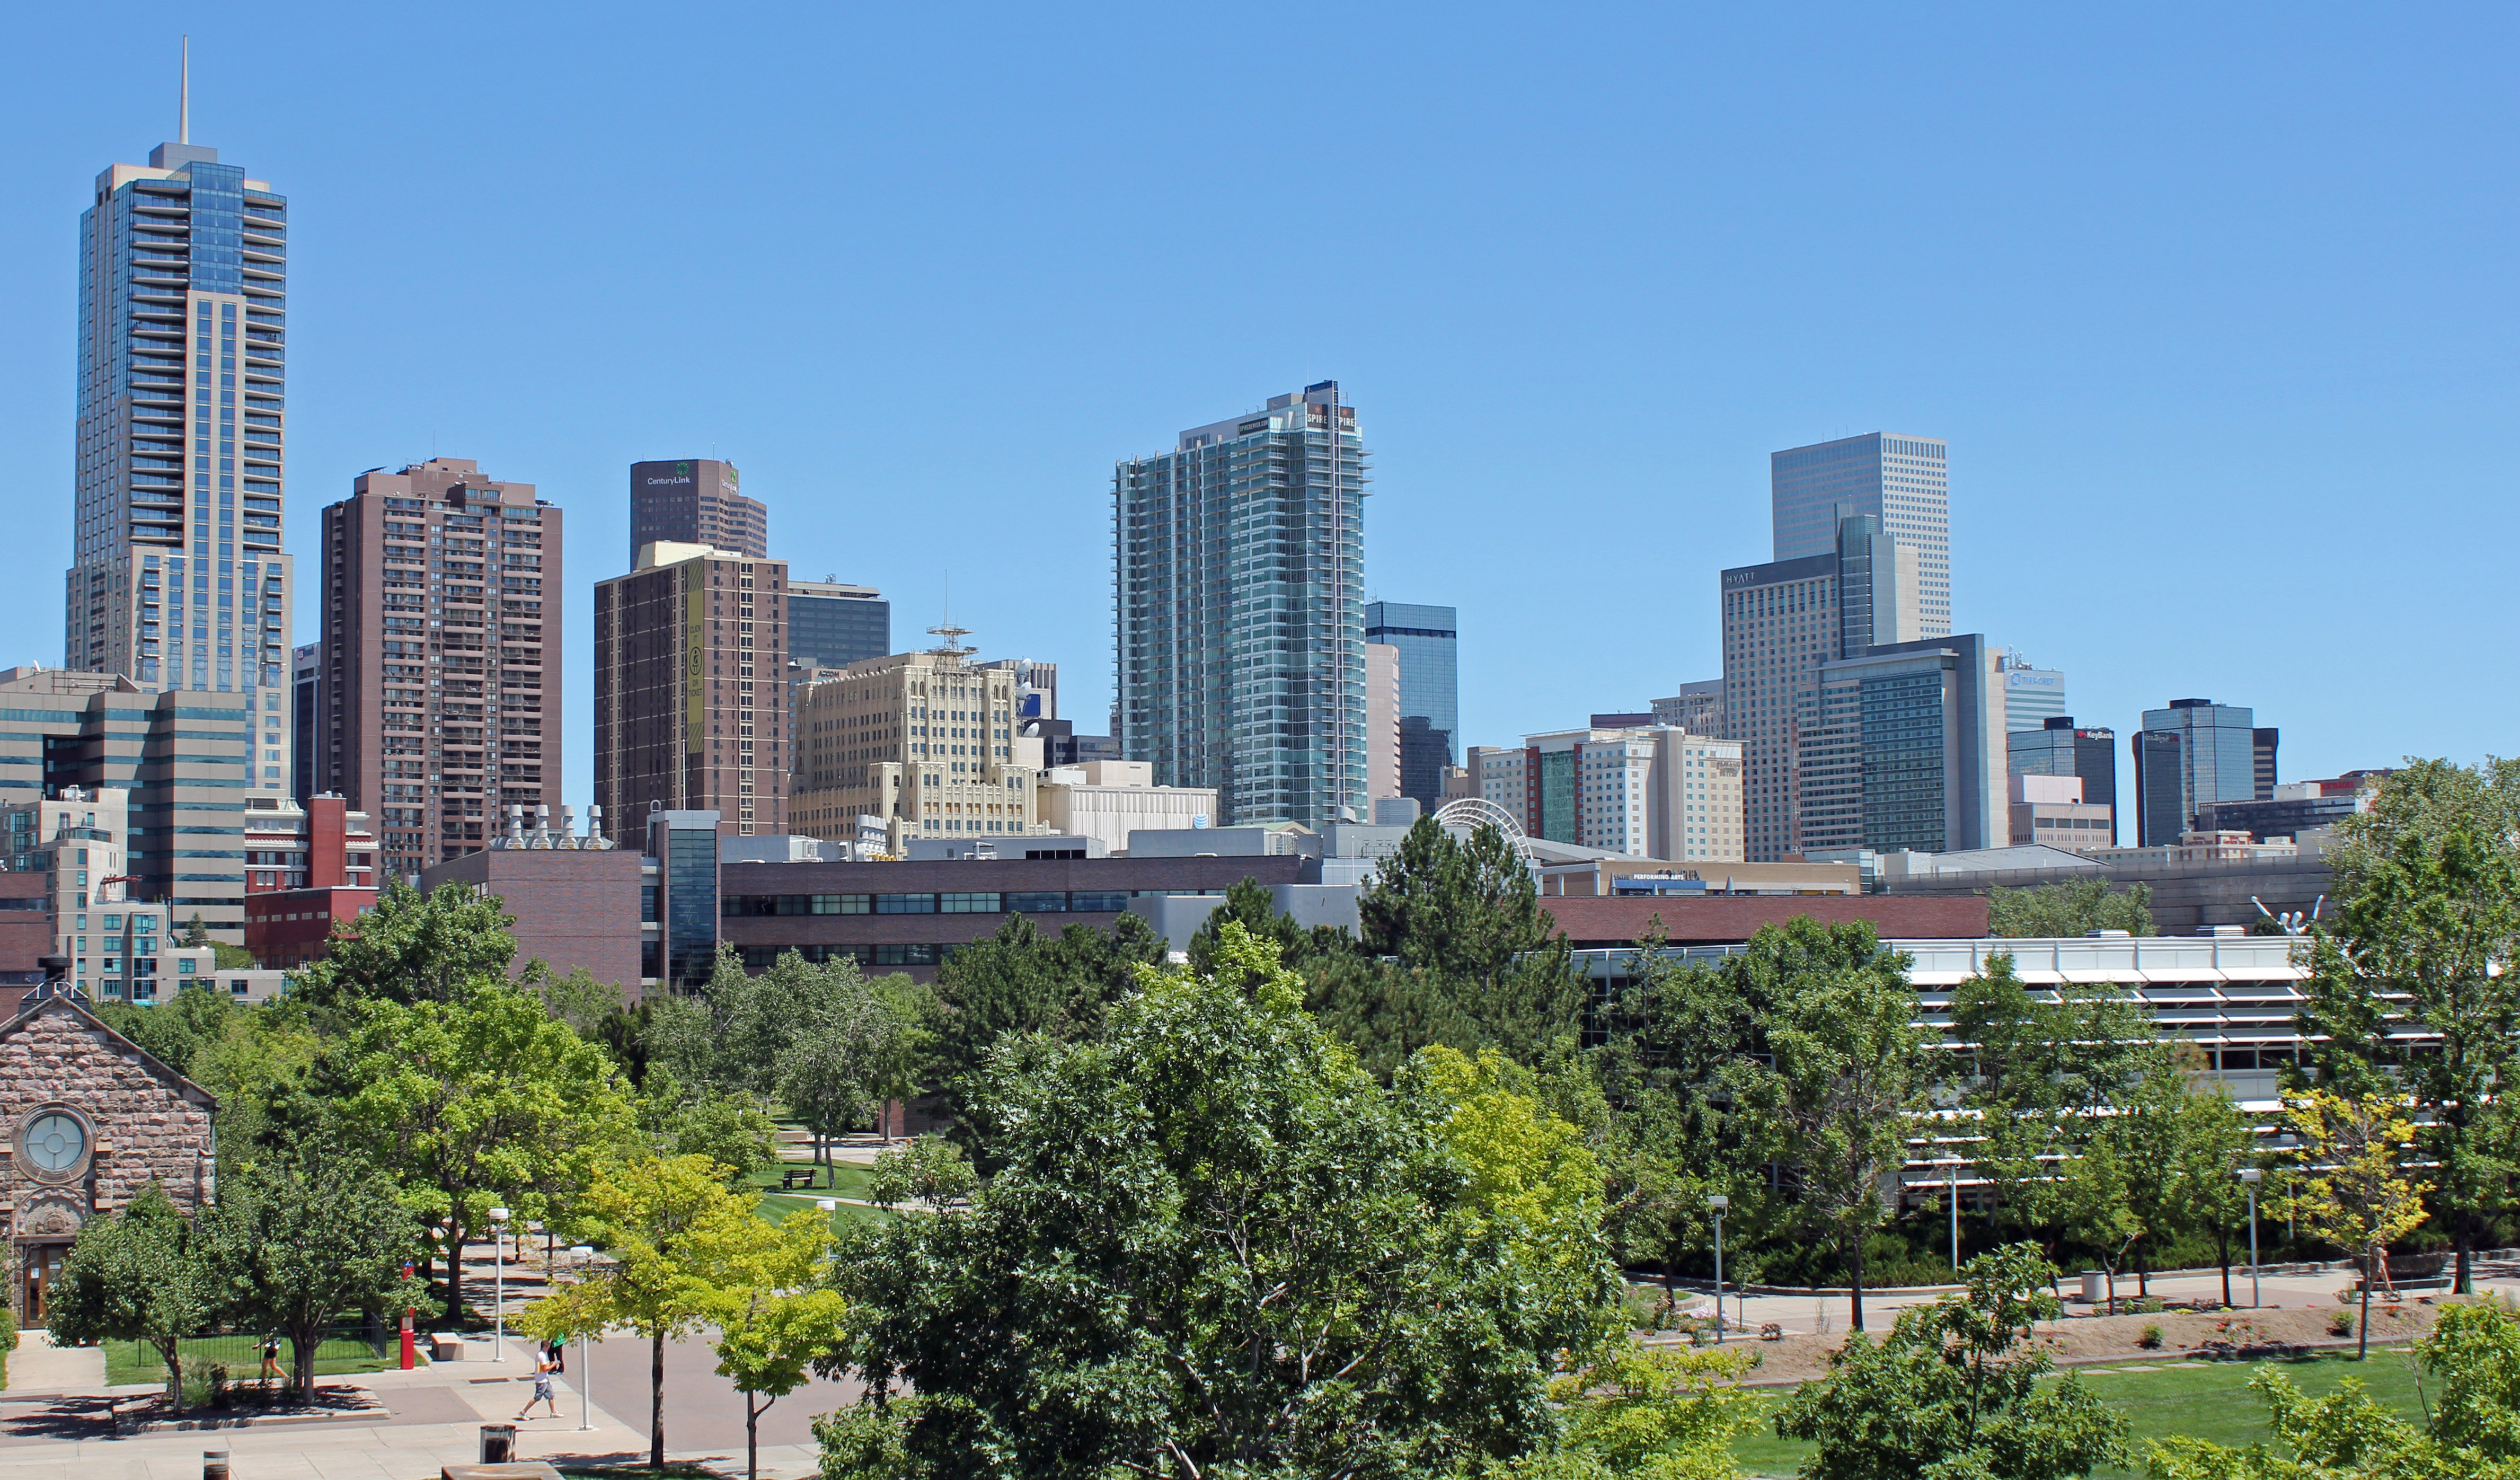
(439, 688)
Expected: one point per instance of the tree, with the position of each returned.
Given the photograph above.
(774, 1323)
(2411, 983)
(845, 1049)
(578, 999)
(1461, 919)
(2472, 1434)
(2077, 906)
(296, 1239)
(2354, 1195)
(2097, 1195)
(1952, 1391)
(1850, 1069)
(176, 1030)
(137, 1276)
(1020, 981)
(1210, 1239)
(411, 948)
(929, 1171)
(2184, 1141)
(677, 1240)
(476, 1101)
(727, 1129)
(1653, 1414)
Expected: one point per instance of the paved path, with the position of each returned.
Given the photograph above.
(39, 1367)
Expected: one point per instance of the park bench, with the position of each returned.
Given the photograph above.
(789, 1182)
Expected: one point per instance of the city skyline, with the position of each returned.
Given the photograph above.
(2220, 451)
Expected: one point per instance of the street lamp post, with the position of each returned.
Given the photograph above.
(580, 1256)
(2249, 1178)
(1953, 1175)
(499, 1282)
(1716, 1204)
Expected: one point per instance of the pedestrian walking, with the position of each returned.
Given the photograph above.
(558, 1352)
(542, 1390)
(271, 1359)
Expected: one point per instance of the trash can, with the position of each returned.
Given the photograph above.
(214, 1464)
(2095, 1287)
(498, 1443)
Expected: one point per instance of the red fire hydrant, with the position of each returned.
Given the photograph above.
(410, 1350)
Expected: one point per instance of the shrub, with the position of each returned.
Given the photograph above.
(2340, 1323)
(2150, 1340)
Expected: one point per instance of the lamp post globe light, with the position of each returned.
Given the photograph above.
(2250, 1176)
(1716, 1203)
(499, 1283)
(580, 1256)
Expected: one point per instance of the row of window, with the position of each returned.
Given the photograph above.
(1070, 902)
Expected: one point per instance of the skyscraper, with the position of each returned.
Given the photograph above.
(691, 689)
(2058, 747)
(924, 741)
(439, 690)
(1907, 751)
(1238, 567)
(2032, 696)
(695, 502)
(183, 277)
(1781, 621)
(2216, 760)
(1900, 481)
(831, 625)
(1429, 641)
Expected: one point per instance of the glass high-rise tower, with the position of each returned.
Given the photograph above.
(177, 577)
(1239, 577)
(1900, 481)
(1429, 641)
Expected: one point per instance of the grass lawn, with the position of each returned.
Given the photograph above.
(846, 1181)
(134, 1362)
(2203, 1399)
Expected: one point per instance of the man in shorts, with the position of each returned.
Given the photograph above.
(542, 1389)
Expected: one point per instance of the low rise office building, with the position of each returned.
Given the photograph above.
(2051, 810)
(1109, 800)
(577, 898)
(925, 741)
(1644, 790)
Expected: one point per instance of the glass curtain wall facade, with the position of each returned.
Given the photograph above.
(1239, 572)
(1429, 641)
(1900, 481)
(178, 580)
(2217, 761)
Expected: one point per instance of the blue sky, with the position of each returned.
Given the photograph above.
(2215, 307)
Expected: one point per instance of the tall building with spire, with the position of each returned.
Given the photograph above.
(1238, 570)
(177, 579)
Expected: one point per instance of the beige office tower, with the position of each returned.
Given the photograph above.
(691, 689)
(177, 579)
(438, 689)
(1381, 721)
(924, 741)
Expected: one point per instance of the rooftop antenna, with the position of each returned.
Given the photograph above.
(183, 98)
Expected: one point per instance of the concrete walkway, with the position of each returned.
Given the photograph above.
(39, 1367)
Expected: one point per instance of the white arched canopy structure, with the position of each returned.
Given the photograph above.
(1469, 814)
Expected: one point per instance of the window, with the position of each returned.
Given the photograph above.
(1036, 904)
(966, 904)
(1098, 901)
(905, 904)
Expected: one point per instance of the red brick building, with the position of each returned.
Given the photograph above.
(305, 868)
(573, 906)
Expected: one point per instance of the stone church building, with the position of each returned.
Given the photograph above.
(87, 1120)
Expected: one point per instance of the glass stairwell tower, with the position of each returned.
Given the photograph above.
(1238, 571)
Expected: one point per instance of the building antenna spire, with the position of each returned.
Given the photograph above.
(183, 98)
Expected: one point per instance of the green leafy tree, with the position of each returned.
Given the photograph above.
(2352, 1193)
(476, 1101)
(136, 1276)
(1639, 1413)
(2183, 1138)
(774, 1321)
(677, 1240)
(1463, 920)
(1955, 1391)
(411, 948)
(2473, 1432)
(263, 1071)
(847, 1049)
(1850, 1070)
(1210, 1240)
(175, 1031)
(1019, 981)
(728, 1128)
(2076, 907)
(2411, 983)
(929, 1171)
(2097, 1195)
(296, 1239)
(577, 998)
